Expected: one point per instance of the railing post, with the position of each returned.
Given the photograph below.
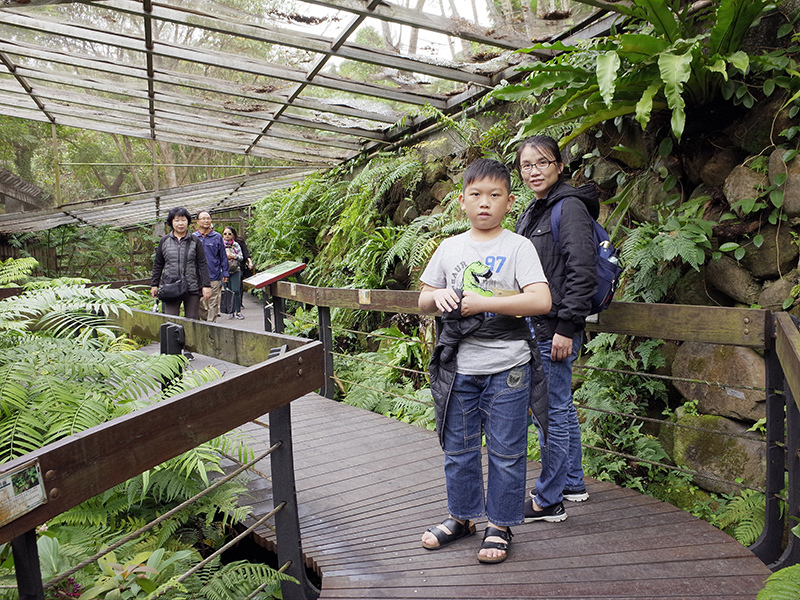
(278, 312)
(287, 523)
(268, 317)
(768, 545)
(26, 566)
(326, 337)
(791, 555)
(172, 338)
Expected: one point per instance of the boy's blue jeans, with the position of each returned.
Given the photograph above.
(496, 405)
(561, 456)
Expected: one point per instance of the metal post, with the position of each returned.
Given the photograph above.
(326, 337)
(287, 522)
(269, 317)
(791, 555)
(768, 545)
(172, 341)
(172, 338)
(56, 166)
(278, 311)
(26, 566)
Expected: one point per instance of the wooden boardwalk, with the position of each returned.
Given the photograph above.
(368, 486)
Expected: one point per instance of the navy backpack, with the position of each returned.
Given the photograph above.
(606, 260)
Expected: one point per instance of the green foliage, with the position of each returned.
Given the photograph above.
(137, 578)
(671, 56)
(335, 225)
(15, 271)
(63, 369)
(617, 393)
(93, 253)
(783, 584)
(743, 516)
(389, 381)
(655, 253)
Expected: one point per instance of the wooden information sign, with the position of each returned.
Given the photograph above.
(273, 274)
(21, 490)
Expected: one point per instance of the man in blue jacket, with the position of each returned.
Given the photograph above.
(217, 264)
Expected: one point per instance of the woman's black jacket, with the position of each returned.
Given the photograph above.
(168, 262)
(570, 270)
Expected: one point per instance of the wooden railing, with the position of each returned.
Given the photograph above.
(86, 464)
(774, 334)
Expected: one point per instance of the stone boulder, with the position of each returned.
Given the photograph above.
(775, 292)
(405, 213)
(648, 193)
(777, 255)
(732, 279)
(743, 183)
(703, 446)
(714, 171)
(791, 187)
(691, 288)
(730, 366)
(751, 132)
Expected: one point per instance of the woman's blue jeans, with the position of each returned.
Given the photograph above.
(496, 405)
(561, 455)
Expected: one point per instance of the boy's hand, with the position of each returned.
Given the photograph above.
(472, 304)
(445, 299)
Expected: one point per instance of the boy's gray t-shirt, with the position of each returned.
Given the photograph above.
(513, 263)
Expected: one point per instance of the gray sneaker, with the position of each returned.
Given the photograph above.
(577, 495)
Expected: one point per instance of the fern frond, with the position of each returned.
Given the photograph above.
(14, 271)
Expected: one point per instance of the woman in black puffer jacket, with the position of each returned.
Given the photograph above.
(181, 258)
(571, 275)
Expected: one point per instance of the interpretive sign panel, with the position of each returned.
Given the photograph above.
(273, 274)
(21, 490)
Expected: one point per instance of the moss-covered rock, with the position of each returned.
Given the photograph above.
(737, 369)
(716, 457)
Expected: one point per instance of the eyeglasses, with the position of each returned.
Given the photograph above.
(540, 165)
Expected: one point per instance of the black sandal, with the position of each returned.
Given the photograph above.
(457, 531)
(495, 532)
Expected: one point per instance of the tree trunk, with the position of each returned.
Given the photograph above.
(126, 151)
(168, 163)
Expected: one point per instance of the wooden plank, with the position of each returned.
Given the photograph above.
(88, 463)
(787, 347)
(718, 325)
(210, 339)
(710, 324)
(380, 300)
(369, 486)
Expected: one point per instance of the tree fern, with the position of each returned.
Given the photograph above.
(14, 271)
(743, 516)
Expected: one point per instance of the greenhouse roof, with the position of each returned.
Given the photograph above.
(298, 83)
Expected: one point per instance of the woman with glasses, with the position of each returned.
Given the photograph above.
(570, 270)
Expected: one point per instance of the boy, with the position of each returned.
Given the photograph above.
(484, 376)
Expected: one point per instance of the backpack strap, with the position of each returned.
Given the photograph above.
(555, 223)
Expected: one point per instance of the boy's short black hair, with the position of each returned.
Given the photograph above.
(487, 168)
(178, 211)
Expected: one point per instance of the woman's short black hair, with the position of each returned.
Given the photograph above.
(546, 145)
(178, 211)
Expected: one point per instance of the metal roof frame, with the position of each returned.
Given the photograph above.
(110, 66)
